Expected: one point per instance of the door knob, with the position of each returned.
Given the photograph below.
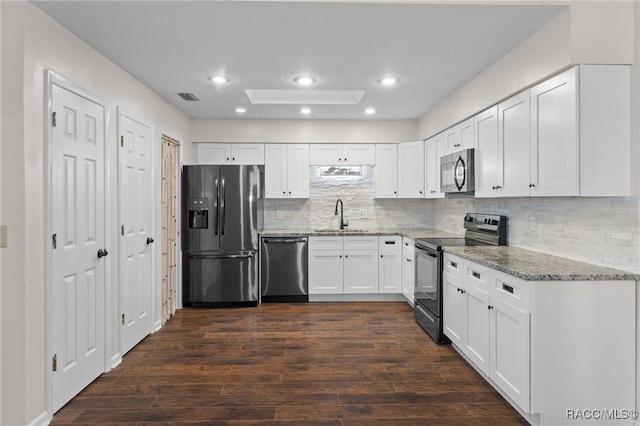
(149, 240)
(102, 253)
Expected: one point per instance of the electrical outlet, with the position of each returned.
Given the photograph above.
(279, 214)
(364, 213)
(533, 225)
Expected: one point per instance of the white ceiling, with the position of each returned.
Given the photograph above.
(173, 46)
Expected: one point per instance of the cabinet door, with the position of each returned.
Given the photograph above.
(275, 170)
(477, 346)
(466, 129)
(359, 154)
(554, 136)
(408, 275)
(433, 150)
(325, 154)
(385, 176)
(510, 362)
(488, 167)
(390, 264)
(454, 313)
(451, 140)
(325, 272)
(514, 134)
(361, 271)
(213, 153)
(411, 170)
(297, 170)
(247, 153)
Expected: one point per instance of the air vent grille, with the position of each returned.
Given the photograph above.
(188, 97)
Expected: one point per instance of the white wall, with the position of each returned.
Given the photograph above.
(310, 131)
(32, 42)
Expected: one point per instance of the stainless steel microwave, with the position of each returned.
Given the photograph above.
(456, 173)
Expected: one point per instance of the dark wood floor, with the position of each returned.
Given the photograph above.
(302, 364)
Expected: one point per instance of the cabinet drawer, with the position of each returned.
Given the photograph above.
(477, 275)
(453, 265)
(511, 290)
(390, 243)
(326, 243)
(361, 243)
(407, 243)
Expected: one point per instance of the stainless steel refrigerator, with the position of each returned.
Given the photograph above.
(222, 213)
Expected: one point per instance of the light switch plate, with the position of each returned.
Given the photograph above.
(3, 236)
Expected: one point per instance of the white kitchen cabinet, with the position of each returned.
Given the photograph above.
(385, 174)
(545, 345)
(408, 269)
(411, 169)
(287, 171)
(342, 154)
(227, 153)
(553, 159)
(433, 150)
(326, 265)
(340, 265)
(488, 162)
(459, 137)
(390, 264)
(513, 136)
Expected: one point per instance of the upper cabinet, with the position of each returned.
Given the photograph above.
(342, 154)
(411, 170)
(433, 150)
(567, 136)
(286, 171)
(230, 153)
(385, 174)
(458, 137)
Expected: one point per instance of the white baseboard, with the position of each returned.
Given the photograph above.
(116, 360)
(374, 297)
(42, 420)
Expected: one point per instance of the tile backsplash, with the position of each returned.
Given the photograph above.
(603, 231)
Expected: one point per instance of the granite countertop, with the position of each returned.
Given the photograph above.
(409, 233)
(534, 266)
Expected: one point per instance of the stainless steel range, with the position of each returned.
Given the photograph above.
(480, 229)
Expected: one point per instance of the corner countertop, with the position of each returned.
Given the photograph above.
(409, 233)
(534, 266)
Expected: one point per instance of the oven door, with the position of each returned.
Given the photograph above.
(427, 289)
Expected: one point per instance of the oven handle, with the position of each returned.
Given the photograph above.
(424, 312)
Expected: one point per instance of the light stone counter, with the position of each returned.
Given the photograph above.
(409, 233)
(534, 266)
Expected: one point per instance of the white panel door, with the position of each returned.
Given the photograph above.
(488, 167)
(361, 271)
(275, 170)
(554, 136)
(134, 255)
(385, 177)
(513, 134)
(78, 222)
(298, 171)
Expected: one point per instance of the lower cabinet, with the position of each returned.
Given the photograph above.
(408, 269)
(343, 265)
(546, 345)
(390, 264)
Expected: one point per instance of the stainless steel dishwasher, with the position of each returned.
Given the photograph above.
(285, 269)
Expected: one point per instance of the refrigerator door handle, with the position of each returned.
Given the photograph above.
(223, 256)
(215, 208)
(222, 208)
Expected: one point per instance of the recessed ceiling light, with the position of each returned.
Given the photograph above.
(389, 81)
(305, 111)
(304, 80)
(369, 111)
(219, 79)
(241, 110)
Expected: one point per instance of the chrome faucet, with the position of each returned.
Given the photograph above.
(342, 222)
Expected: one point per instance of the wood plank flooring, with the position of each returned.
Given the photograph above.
(291, 364)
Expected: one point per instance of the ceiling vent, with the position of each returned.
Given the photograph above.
(188, 97)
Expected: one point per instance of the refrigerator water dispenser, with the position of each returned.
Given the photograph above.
(198, 213)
